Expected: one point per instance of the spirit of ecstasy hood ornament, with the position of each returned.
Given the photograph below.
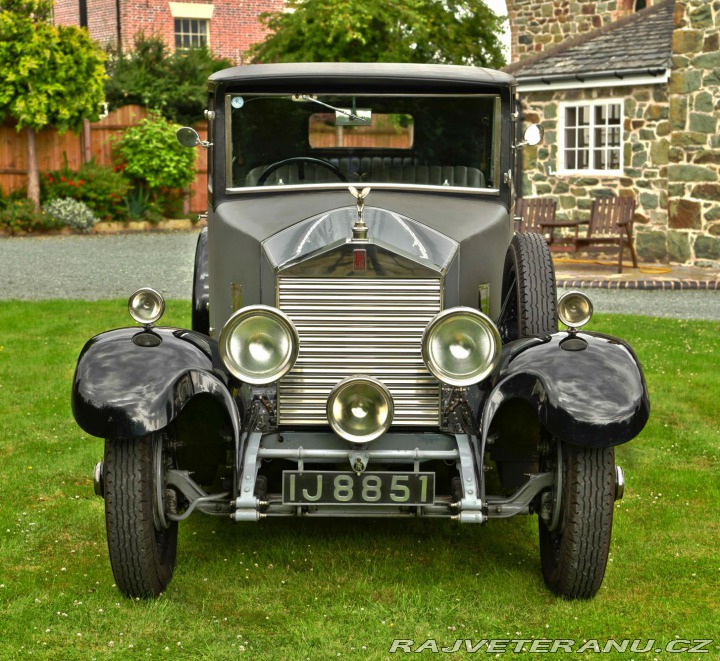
(360, 229)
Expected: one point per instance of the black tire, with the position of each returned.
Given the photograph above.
(529, 293)
(201, 286)
(142, 550)
(574, 555)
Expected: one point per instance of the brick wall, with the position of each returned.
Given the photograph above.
(234, 26)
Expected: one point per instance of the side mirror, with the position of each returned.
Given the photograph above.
(188, 137)
(533, 136)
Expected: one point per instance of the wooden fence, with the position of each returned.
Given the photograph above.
(95, 141)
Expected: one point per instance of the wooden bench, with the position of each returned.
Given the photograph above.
(537, 214)
(611, 223)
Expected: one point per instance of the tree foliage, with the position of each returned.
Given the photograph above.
(175, 83)
(421, 31)
(49, 76)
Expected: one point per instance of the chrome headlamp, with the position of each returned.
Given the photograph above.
(575, 309)
(360, 409)
(146, 306)
(461, 346)
(259, 344)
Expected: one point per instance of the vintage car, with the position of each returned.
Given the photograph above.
(369, 336)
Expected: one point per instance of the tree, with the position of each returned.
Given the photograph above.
(151, 76)
(440, 31)
(49, 76)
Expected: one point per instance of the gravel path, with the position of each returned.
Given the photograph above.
(97, 267)
(113, 266)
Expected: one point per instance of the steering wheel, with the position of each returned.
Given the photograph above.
(300, 160)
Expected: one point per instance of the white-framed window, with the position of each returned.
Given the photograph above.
(191, 32)
(590, 137)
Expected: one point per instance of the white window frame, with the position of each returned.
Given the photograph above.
(590, 170)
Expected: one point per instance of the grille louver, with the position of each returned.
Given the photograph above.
(359, 326)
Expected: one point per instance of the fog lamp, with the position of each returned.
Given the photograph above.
(146, 306)
(575, 309)
(461, 346)
(360, 409)
(259, 344)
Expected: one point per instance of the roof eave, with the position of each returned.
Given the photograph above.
(614, 78)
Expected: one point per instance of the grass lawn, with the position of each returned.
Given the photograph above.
(321, 589)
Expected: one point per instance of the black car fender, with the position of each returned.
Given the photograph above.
(586, 388)
(130, 382)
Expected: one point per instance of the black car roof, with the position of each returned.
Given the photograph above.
(355, 76)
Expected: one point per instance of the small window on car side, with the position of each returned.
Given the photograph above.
(382, 131)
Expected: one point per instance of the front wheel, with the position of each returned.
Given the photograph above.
(529, 299)
(576, 524)
(141, 541)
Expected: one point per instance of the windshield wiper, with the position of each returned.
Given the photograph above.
(342, 111)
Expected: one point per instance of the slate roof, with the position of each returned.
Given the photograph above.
(641, 42)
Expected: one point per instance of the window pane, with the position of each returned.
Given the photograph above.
(599, 159)
(570, 117)
(583, 137)
(570, 141)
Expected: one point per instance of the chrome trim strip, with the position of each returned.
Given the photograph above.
(353, 326)
(375, 186)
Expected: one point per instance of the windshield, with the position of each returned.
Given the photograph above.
(418, 140)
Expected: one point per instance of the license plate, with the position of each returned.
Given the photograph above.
(340, 488)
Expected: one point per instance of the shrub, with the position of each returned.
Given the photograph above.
(19, 215)
(100, 187)
(151, 75)
(71, 213)
(153, 158)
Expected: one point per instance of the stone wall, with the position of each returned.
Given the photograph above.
(539, 24)
(671, 131)
(646, 140)
(694, 156)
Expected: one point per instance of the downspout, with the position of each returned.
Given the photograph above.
(118, 21)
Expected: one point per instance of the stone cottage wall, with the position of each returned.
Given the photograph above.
(694, 155)
(646, 139)
(539, 24)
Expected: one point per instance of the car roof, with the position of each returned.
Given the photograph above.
(334, 75)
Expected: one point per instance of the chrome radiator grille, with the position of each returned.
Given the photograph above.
(359, 326)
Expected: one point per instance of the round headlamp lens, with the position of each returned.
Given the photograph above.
(146, 305)
(575, 309)
(360, 409)
(259, 344)
(461, 346)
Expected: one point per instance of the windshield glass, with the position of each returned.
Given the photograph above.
(302, 139)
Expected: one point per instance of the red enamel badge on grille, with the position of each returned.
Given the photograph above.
(360, 262)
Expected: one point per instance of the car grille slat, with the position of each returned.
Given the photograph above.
(359, 326)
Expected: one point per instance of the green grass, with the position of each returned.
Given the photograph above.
(318, 589)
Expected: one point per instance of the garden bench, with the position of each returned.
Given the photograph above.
(611, 223)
